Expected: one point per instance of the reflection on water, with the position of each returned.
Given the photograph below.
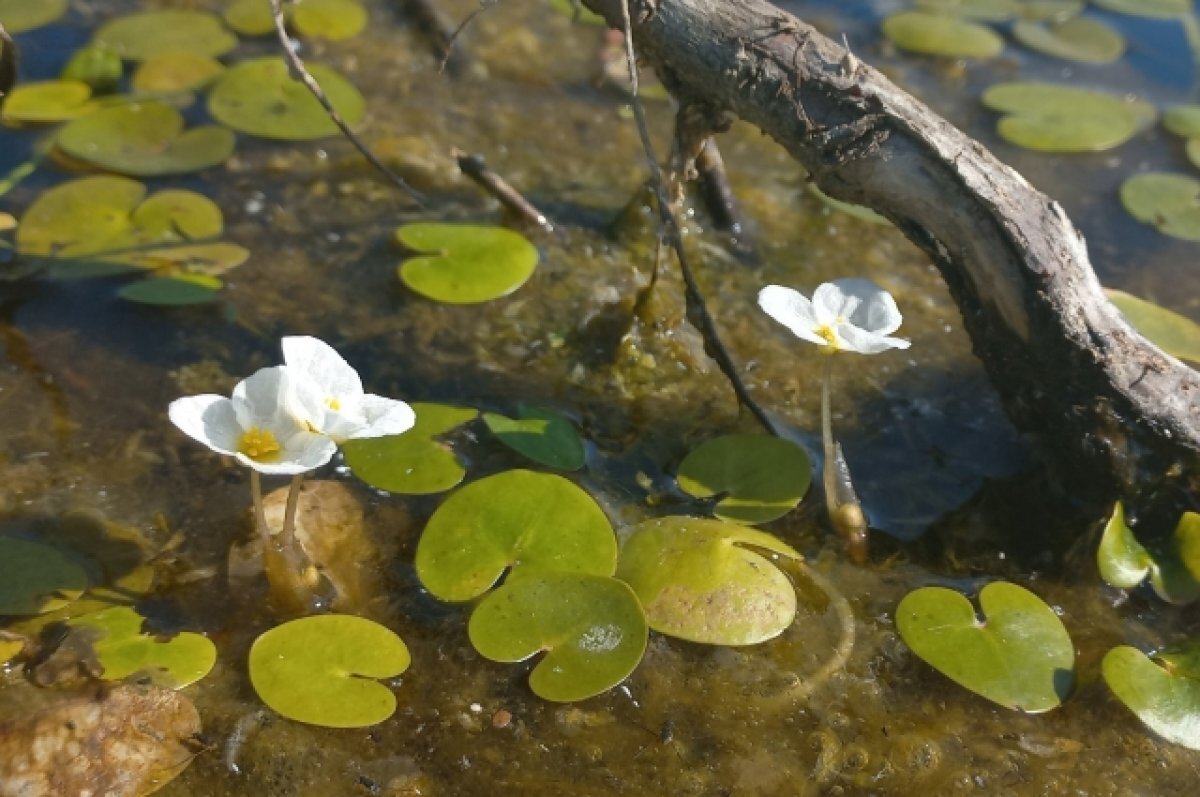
(85, 381)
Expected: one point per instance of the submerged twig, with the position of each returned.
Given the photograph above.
(476, 168)
(298, 68)
(439, 31)
(719, 198)
(697, 311)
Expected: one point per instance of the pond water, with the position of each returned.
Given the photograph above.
(85, 380)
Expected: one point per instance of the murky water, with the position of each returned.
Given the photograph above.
(85, 380)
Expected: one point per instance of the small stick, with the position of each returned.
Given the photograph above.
(297, 65)
(718, 195)
(439, 31)
(473, 166)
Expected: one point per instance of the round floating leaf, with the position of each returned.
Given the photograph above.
(1078, 39)
(260, 97)
(121, 649)
(933, 34)
(518, 519)
(1183, 120)
(97, 66)
(1192, 150)
(329, 19)
(1155, 9)
(145, 139)
(1051, 9)
(1173, 565)
(141, 36)
(1168, 202)
(703, 580)
(318, 670)
(1175, 334)
(413, 463)
(167, 73)
(986, 10)
(188, 260)
(1051, 118)
(48, 101)
(465, 264)
(1167, 703)
(18, 16)
(37, 578)
(178, 291)
(542, 435)
(760, 478)
(1019, 656)
(250, 17)
(591, 628)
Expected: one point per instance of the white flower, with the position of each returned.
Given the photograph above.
(334, 397)
(265, 424)
(846, 314)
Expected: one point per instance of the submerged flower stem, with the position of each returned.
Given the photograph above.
(287, 535)
(841, 502)
(260, 515)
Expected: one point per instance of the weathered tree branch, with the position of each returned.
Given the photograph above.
(1112, 408)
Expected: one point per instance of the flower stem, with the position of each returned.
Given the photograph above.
(841, 502)
(260, 515)
(287, 535)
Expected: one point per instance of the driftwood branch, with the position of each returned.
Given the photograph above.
(1113, 409)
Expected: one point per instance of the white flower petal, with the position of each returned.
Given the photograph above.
(300, 453)
(321, 363)
(207, 419)
(793, 310)
(875, 311)
(865, 342)
(384, 416)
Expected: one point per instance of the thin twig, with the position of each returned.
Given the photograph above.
(476, 168)
(697, 312)
(298, 68)
(439, 32)
(719, 198)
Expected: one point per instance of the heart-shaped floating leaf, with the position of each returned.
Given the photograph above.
(329, 19)
(542, 435)
(935, 34)
(1175, 334)
(1051, 118)
(18, 16)
(1057, 10)
(986, 10)
(140, 36)
(1078, 39)
(1168, 703)
(760, 478)
(319, 669)
(48, 101)
(1154, 9)
(121, 649)
(1183, 120)
(1173, 566)
(591, 628)
(37, 578)
(463, 263)
(1019, 656)
(145, 139)
(260, 97)
(413, 463)
(250, 17)
(703, 580)
(177, 291)
(1168, 202)
(96, 66)
(517, 519)
(168, 73)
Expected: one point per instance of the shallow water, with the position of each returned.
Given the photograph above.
(85, 380)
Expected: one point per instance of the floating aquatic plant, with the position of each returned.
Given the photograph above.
(326, 19)
(36, 577)
(1168, 202)
(18, 16)
(755, 478)
(1164, 694)
(1172, 566)
(1154, 9)
(175, 72)
(845, 315)
(463, 263)
(937, 34)
(47, 101)
(96, 65)
(542, 435)
(1175, 334)
(416, 462)
(1051, 118)
(149, 33)
(1076, 39)
(121, 649)
(985, 10)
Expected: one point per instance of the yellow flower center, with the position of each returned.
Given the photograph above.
(826, 332)
(258, 444)
(333, 403)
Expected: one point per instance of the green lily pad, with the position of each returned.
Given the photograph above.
(517, 519)
(250, 17)
(1050, 118)
(934, 34)
(48, 101)
(260, 97)
(1079, 39)
(145, 139)
(168, 73)
(1168, 202)
(329, 19)
(1154, 9)
(1183, 120)
(1192, 149)
(591, 629)
(1167, 703)
(319, 669)
(178, 291)
(758, 477)
(1183, 660)
(36, 578)
(542, 435)
(986, 10)
(1175, 334)
(122, 650)
(577, 12)
(1019, 656)
(413, 463)
(706, 581)
(1058, 10)
(1173, 566)
(97, 66)
(465, 264)
(139, 36)
(18, 16)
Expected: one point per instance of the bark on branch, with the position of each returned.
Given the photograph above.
(1112, 408)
